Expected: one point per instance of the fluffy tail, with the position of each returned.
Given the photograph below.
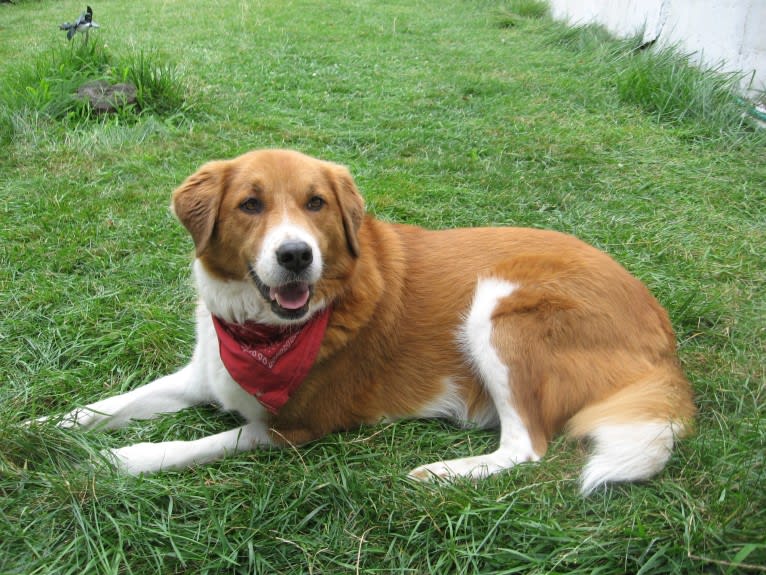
(633, 431)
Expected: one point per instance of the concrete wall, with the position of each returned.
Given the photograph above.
(726, 33)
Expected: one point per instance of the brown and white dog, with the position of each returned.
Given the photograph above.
(314, 318)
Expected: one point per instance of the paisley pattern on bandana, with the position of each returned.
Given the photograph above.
(270, 362)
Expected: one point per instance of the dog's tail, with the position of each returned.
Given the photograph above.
(633, 431)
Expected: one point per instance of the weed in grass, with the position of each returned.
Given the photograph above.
(49, 85)
(160, 88)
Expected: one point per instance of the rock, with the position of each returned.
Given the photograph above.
(105, 98)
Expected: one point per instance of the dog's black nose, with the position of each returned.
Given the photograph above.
(295, 256)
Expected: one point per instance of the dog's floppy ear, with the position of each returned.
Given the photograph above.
(195, 202)
(350, 202)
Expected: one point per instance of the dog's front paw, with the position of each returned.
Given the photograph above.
(477, 467)
(141, 458)
(80, 417)
(432, 472)
(74, 418)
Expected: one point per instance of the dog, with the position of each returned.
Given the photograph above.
(314, 317)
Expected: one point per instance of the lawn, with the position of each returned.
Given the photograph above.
(450, 113)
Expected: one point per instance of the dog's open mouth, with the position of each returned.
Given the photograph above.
(289, 300)
(291, 296)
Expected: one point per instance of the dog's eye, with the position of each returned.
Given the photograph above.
(251, 206)
(315, 204)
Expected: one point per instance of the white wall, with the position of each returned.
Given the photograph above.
(726, 33)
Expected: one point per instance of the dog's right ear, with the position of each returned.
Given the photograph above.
(195, 202)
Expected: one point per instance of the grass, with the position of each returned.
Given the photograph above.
(447, 117)
(47, 86)
(511, 13)
(666, 86)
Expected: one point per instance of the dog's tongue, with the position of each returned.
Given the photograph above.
(291, 296)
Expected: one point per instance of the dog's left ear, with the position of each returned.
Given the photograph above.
(195, 202)
(350, 202)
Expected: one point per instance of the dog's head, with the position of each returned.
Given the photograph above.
(279, 220)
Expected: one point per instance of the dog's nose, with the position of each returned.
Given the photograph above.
(295, 256)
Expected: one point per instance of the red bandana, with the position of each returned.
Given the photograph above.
(270, 362)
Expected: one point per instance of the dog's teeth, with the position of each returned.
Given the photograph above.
(291, 296)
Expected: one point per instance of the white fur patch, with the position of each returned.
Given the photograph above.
(476, 340)
(451, 405)
(233, 301)
(476, 336)
(496, 377)
(627, 452)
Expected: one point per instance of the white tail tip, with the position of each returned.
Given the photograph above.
(627, 452)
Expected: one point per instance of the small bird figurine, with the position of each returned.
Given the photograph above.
(83, 24)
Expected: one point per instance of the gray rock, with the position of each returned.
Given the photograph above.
(105, 98)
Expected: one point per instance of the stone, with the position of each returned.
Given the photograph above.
(105, 97)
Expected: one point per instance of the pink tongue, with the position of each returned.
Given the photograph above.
(291, 296)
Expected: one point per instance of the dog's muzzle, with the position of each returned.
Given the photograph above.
(289, 298)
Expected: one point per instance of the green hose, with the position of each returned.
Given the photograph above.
(753, 109)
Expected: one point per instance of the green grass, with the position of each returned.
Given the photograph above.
(447, 117)
(513, 12)
(675, 91)
(47, 86)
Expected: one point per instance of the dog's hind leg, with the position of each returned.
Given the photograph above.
(164, 395)
(516, 443)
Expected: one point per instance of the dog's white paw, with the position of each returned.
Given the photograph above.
(454, 469)
(431, 472)
(142, 457)
(77, 418)
(477, 467)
